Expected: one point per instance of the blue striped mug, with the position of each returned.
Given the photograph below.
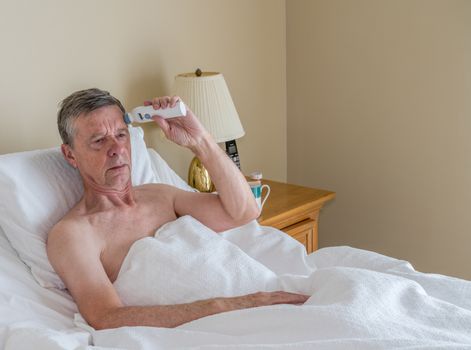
(257, 189)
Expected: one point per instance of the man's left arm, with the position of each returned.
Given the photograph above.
(234, 203)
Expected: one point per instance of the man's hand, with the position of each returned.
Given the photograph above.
(185, 131)
(261, 299)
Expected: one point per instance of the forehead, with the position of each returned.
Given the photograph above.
(102, 120)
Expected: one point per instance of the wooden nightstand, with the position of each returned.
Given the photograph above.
(295, 210)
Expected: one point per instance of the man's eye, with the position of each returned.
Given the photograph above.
(122, 135)
(99, 141)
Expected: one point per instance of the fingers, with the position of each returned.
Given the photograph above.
(271, 298)
(163, 102)
(262, 299)
(289, 298)
(163, 124)
(174, 100)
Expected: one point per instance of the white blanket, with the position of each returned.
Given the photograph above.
(186, 261)
(360, 299)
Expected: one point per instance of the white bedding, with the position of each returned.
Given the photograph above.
(186, 261)
(360, 300)
(25, 304)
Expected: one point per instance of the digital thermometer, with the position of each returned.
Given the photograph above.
(143, 114)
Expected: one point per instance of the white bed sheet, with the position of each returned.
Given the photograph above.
(361, 300)
(24, 303)
(32, 316)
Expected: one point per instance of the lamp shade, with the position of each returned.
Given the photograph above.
(209, 98)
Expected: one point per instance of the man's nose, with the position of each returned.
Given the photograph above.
(116, 148)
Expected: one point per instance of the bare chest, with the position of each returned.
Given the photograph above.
(118, 232)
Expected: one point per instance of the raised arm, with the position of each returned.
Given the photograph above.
(233, 190)
(234, 203)
(76, 258)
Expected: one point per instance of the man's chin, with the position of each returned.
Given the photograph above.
(118, 179)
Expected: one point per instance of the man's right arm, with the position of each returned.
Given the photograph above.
(76, 259)
(170, 316)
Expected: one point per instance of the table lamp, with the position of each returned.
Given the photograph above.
(207, 95)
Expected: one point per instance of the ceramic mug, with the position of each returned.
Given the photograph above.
(257, 189)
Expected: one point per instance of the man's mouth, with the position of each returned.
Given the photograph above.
(117, 167)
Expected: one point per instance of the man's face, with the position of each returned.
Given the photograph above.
(101, 149)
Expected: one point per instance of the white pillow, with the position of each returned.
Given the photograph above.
(37, 188)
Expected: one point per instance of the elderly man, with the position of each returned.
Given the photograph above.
(88, 246)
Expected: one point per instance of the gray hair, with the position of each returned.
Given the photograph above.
(81, 102)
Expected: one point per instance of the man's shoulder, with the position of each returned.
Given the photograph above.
(67, 229)
(156, 190)
(153, 186)
(68, 239)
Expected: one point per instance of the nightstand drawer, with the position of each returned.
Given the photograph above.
(304, 233)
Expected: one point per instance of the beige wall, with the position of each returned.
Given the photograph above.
(379, 110)
(134, 49)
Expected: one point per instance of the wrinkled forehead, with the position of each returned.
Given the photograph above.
(104, 120)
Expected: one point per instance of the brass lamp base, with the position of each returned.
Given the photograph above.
(198, 177)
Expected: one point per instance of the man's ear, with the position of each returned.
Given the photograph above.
(69, 155)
